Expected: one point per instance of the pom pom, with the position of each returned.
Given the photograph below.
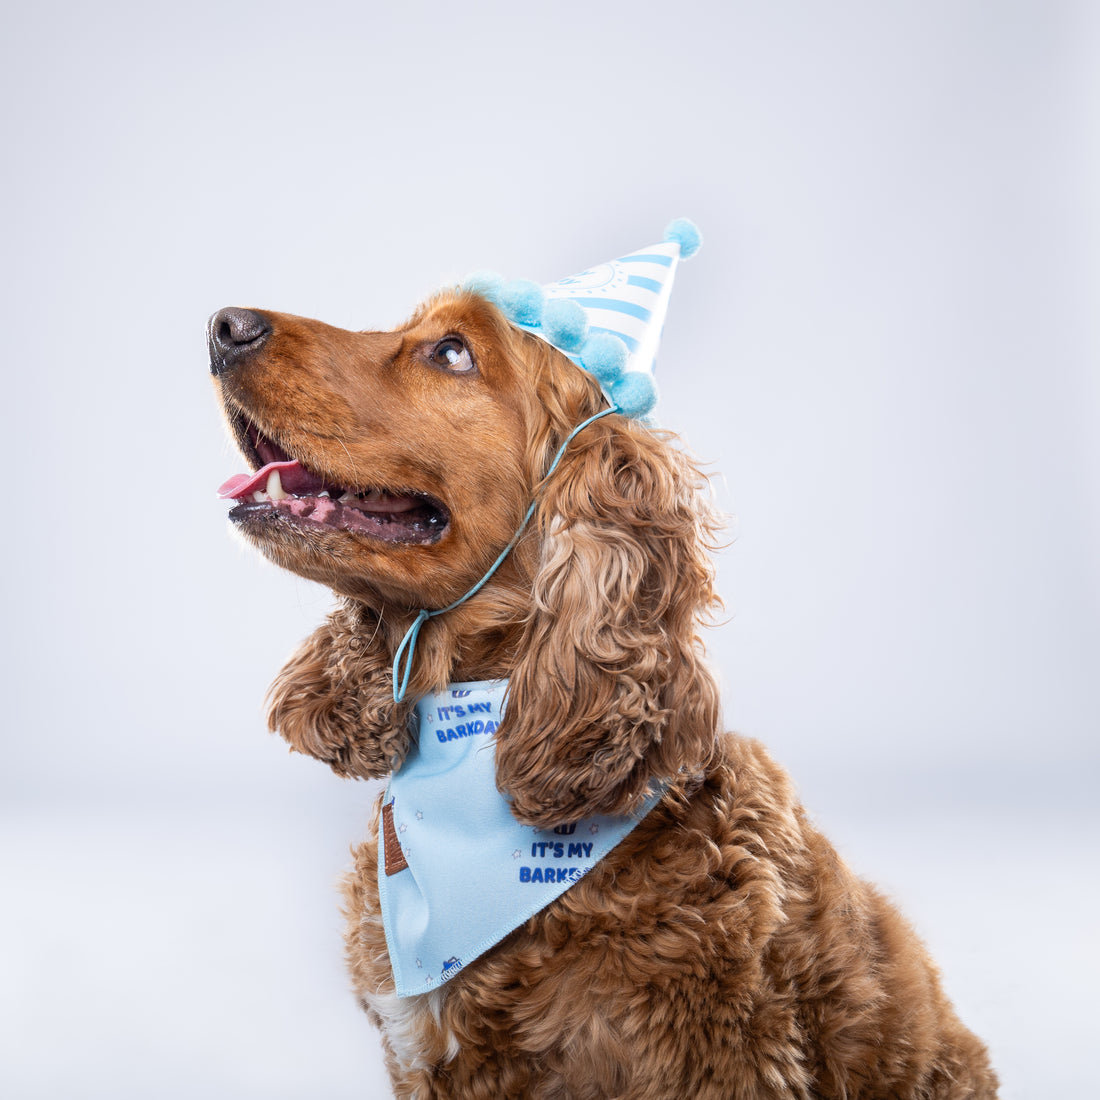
(564, 324)
(635, 393)
(686, 234)
(522, 300)
(485, 283)
(604, 356)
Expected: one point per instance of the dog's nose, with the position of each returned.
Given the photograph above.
(234, 334)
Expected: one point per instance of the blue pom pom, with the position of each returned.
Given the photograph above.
(604, 355)
(635, 393)
(564, 324)
(686, 234)
(485, 283)
(522, 300)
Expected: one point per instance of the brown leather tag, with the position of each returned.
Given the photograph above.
(393, 858)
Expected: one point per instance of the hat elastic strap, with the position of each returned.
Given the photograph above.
(407, 648)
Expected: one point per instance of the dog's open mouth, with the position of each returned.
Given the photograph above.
(283, 489)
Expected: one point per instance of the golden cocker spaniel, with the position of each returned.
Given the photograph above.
(722, 949)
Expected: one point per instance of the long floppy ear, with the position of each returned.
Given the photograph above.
(334, 698)
(611, 691)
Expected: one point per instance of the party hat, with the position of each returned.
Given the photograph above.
(607, 319)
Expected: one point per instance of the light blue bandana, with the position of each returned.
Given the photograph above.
(456, 871)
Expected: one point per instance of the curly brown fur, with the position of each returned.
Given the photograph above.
(723, 949)
(610, 654)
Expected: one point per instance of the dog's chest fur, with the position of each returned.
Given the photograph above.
(413, 1026)
(724, 906)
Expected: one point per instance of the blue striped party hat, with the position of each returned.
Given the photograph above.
(607, 319)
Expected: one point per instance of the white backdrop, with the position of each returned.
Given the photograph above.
(887, 348)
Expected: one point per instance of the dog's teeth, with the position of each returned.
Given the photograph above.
(275, 488)
(260, 497)
(347, 498)
(373, 495)
(323, 493)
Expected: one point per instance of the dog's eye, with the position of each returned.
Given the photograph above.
(453, 355)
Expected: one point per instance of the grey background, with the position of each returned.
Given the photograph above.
(887, 349)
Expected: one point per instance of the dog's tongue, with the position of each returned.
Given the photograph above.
(297, 482)
(295, 478)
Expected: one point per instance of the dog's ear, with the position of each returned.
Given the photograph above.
(610, 690)
(334, 698)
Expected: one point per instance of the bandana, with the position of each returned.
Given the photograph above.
(457, 871)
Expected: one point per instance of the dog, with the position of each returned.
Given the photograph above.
(720, 948)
